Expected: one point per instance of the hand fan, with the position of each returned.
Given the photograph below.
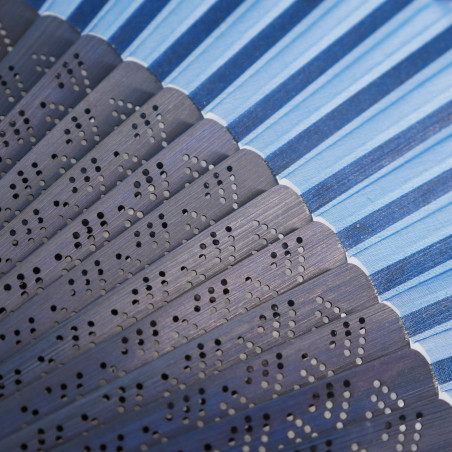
(165, 286)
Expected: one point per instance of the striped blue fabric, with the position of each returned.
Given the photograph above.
(349, 101)
(250, 53)
(188, 41)
(58, 8)
(137, 22)
(84, 12)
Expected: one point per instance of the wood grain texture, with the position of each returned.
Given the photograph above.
(160, 313)
(184, 268)
(169, 113)
(34, 55)
(237, 358)
(350, 410)
(153, 237)
(92, 120)
(16, 17)
(76, 73)
(160, 291)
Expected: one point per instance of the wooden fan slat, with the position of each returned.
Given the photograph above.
(16, 17)
(181, 218)
(166, 116)
(366, 401)
(268, 375)
(161, 177)
(423, 426)
(264, 209)
(117, 97)
(79, 70)
(37, 52)
(271, 374)
(189, 315)
(184, 268)
(159, 291)
(222, 359)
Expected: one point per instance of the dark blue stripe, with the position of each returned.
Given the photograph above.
(192, 37)
(426, 318)
(412, 266)
(136, 23)
(287, 90)
(85, 12)
(396, 210)
(353, 107)
(443, 370)
(251, 52)
(36, 3)
(363, 167)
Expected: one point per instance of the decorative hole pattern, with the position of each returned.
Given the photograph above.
(198, 311)
(245, 241)
(33, 56)
(89, 123)
(18, 85)
(56, 94)
(238, 373)
(189, 269)
(309, 418)
(114, 213)
(166, 314)
(4, 39)
(97, 173)
(155, 235)
(16, 18)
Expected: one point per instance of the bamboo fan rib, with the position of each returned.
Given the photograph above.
(160, 289)
(15, 22)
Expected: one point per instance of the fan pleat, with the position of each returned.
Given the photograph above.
(31, 58)
(163, 284)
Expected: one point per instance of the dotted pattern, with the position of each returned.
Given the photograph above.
(172, 306)
(157, 333)
(89, 180)
(79, 337)
(90, 122)
(307, 419)
(64, 85)
(33, 56)
(152, 237)
(112, 215)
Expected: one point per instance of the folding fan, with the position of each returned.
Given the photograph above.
(225, 225)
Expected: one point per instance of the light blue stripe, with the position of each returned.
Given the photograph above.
(366, 63)
(419, 280)
(434, 334)
(395, 180)
(278, 46)
(393, 229)
(438, 345)
(340, 223)
(404, 242)
(447, 388)
(309, 43)
(423, 294)
(370, 124)
(413, 101)
(111, 17)
(305, 41)
(61, 8)
(173, 20)
(241, 26)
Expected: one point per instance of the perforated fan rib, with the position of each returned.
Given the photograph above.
(159, 290)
